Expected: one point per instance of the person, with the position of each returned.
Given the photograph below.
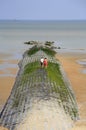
(41, 61)
(45, 62)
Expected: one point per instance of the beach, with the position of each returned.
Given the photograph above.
(66, 34)
(73, 71)
(7, 77)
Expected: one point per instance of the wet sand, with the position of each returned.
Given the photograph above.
(7, 79)
(2, 128)
(78, 82)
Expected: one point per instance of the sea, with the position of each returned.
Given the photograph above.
(69, 35)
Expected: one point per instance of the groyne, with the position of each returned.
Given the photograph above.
(35, 85)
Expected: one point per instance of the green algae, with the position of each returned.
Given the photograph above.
(31, 67)
(33, 50)
(53, 71)
(47, 50)
(54, 76)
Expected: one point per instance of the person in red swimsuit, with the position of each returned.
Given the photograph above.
(45, 62)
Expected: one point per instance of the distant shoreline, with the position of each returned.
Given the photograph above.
(15, 20)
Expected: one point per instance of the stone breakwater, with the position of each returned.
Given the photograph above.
(36, 88)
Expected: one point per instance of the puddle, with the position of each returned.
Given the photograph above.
(5, 65)
(7, 75)
(84, 71)
(5, 68)
(83, 63)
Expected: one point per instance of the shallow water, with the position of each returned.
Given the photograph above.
(83, 63)
(67, 34)
(70, 35)
(7, 65)
(84, 71)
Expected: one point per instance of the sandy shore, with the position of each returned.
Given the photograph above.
(7, 79)
(2, 128)
(6, 82)
(78, 82)
(73, 71)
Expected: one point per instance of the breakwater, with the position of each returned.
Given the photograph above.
(34, 84)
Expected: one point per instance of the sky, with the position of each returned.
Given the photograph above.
(43, 9)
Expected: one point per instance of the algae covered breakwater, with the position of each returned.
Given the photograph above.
(36, 84)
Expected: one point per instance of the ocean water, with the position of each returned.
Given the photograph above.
(67, 34)
(70, 35)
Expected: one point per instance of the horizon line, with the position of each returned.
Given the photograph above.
(42, 19)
